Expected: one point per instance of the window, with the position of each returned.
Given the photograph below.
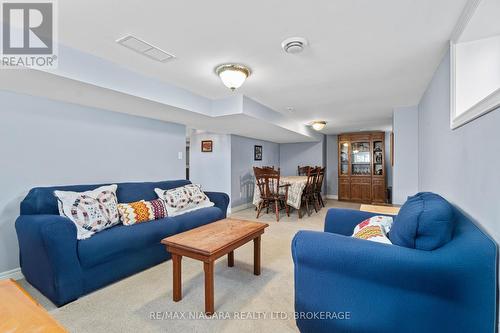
(475, 63)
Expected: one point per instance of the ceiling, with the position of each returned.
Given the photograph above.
(364, 57)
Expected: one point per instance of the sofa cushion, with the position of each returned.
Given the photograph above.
(425, 222)
(41, 200)
(120, 240)
(184, 199)
(142, 211)
(198, 218)
(90, 211)
(130, 192)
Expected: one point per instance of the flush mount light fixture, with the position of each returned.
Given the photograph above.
(233, 75)
(318, 125)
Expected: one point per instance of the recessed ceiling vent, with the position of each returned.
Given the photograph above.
(294, 45)
(144, 48)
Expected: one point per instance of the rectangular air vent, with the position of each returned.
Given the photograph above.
(144, 48)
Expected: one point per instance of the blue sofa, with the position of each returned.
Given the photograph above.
(373, 287)
(64, 268)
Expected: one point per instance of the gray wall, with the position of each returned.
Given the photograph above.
(44, 142)
(211, 170)
(332, 160)
(463, 165)
(294, 154)
(405, 171)
(242, 162)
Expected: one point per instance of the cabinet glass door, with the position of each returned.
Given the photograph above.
(344, 158)
(360, 159)
(378, 158)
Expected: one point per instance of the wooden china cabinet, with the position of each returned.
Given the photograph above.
(362, 167)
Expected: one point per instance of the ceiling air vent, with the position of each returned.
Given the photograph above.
(144, 48)
(294, 45)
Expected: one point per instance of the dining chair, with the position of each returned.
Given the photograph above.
(271, 192)
(318, 186)
(302, 171)
(308, 195)
(267, 167)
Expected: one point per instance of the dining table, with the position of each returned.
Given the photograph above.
(297, 185)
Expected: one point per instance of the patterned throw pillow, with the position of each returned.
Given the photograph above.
(142, 211)
(91, 211)
(374, 229)
(184, 199)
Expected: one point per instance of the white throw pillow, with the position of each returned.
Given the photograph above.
(374, 229)
(181, 200)
(91, 211)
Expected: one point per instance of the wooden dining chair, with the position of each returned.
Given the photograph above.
(308, 195)
(318, 187)
(302, 171)
(267, 167)
(271, 192)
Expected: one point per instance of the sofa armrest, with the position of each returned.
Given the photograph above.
(343, 221)
(220, 200)
(48, 256)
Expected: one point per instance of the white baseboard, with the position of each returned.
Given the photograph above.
(332, 196)
(12, 274)
(241, 207)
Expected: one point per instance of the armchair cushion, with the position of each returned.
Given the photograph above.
(425, 222)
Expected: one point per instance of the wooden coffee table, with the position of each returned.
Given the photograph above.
(20, 313)
(208, 243)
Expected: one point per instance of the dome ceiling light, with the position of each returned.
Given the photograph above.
(233, 75)
(294, 45)
(318, 125)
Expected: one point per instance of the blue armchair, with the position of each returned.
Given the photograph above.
(366, 286)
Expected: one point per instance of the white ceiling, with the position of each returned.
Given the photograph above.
(365, 57)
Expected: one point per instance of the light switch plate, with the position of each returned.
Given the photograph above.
(179, 155)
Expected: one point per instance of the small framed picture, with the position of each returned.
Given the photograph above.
(207, 146)
(257, 153)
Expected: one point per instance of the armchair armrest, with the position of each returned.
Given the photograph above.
(48, 256)
(220, 200)
(343, 221)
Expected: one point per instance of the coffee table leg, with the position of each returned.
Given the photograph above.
(176, 259)
(256, 255)
(209, 287)
(230, 259)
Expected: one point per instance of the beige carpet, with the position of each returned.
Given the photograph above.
(128, 305)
